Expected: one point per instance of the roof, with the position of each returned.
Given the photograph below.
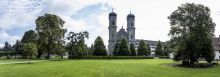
(149, 42)
(130, 15)
(122, 33)
(112, 14)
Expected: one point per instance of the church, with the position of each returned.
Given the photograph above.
(129, 33)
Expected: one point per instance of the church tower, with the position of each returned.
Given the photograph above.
(112, 32)
(131, 28)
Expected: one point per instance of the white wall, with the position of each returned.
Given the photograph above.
(216, 54)
(171, 55)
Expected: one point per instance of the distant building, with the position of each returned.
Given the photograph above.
(216, 45)
(115, 35)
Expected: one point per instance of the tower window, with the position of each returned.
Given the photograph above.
(112, 35)
(132, 37)
(132, 24)
(113, 23)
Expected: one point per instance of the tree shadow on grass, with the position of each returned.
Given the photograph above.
(197, 65)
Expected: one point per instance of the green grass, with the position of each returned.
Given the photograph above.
(105, 68)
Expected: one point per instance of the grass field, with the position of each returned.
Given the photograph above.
(105, 68)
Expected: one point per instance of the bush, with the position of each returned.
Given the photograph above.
(164, 57)
(110, 57)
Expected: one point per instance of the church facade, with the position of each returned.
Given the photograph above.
(129, 33)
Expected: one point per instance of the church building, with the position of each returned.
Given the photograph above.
(129, 33)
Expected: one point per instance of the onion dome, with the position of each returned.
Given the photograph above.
(112, 13)
(131, 15)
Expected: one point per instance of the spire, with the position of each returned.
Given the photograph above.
(130, 12)
(112, 9)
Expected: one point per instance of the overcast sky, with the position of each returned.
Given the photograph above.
(18, 16)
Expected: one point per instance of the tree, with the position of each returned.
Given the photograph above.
(77, 46)
(133, 50)
(166, 48)
(91, 49)
(29, 36)
(99, 47)
(7, 47)
(143, 49)
(116, 49)
(30, 50)
(159, 50)
(123, 48)
(191, 32)
(50, 31)
(18, 47)
(148, 49)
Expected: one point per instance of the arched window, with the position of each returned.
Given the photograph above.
(113, 23)
(132, 24)
(132, 37)
(112, 35)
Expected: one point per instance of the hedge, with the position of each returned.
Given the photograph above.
(164, 57)
(111, 57)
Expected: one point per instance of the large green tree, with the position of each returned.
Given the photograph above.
(99, 47)
(143, 49)
(29, 36)
(133, 50)
(159, 50)
(124, 48)
(77, 46)
(51, 33)
(191, 32)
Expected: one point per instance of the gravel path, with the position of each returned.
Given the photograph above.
(21, 62)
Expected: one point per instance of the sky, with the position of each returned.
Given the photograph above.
(18, 16)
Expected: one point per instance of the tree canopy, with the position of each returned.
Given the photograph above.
(29, 36)
(51, 33)
(143, 49)
(77, 46)
(30, 50)
(191, 32)
(159, 50)
(99, 47)
(133, 50)
(124, 48)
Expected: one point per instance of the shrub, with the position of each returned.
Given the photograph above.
(110, 57)
(164, 57)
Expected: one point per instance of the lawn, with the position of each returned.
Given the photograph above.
(105, 68)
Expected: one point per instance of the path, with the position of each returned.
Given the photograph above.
(21, 62)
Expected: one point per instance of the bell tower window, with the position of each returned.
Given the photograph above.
(132, 24)
(113, 23)
(132, 37)
(112, 35)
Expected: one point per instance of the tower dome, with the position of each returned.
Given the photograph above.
(112, 14)
(131, 15)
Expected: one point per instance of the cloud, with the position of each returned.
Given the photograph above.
(6, 37)
(22, 14)
(92, 15)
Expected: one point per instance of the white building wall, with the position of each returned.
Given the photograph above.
(171, 55)
(217, 54)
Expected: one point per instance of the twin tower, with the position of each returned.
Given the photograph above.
(115, 36)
